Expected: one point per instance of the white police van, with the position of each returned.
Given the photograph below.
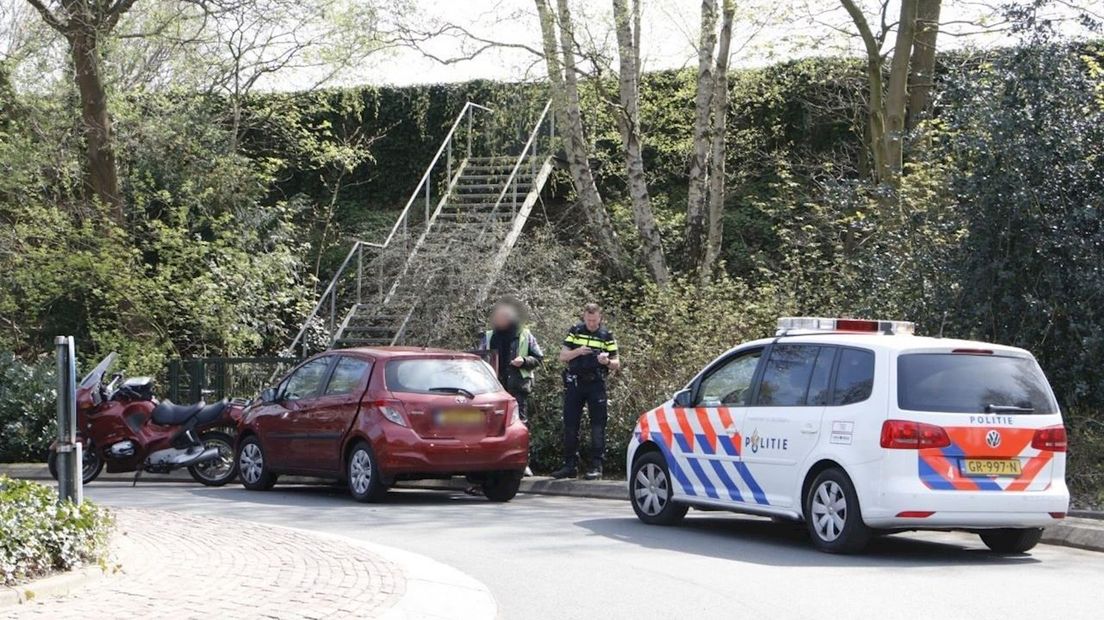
(858, 427)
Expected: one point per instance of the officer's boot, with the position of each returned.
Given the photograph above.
(595, 472)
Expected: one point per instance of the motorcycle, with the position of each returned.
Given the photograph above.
(121, 425)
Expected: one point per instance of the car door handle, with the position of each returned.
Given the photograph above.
(808, 428)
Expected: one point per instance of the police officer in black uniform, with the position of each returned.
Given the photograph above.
(590, 353)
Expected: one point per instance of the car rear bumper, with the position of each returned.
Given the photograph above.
(402, 452)
(968, 509)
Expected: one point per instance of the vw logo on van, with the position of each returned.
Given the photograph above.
(993, 438)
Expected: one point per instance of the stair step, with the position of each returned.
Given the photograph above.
(362, 342)
(495, 187)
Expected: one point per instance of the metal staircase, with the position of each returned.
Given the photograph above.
(458, 246)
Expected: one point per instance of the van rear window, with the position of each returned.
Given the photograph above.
(963, 383)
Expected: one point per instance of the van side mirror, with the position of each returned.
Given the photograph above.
(683, 398)
(268, 395)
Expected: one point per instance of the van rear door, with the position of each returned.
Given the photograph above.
(1000, 424)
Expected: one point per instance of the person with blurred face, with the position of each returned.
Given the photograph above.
(590, 352)
(515, 353)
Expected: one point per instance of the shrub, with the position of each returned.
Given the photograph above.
(38, 535)
(27, 408)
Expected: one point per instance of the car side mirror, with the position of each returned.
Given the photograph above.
(683, 398)
(268, 395)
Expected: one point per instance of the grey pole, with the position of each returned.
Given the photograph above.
(70, 481)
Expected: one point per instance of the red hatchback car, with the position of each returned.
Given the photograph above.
(373, 416)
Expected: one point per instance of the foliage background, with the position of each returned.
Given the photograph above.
(996, 234)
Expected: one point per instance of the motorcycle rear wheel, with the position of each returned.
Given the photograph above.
(91, 466)
(220, 471)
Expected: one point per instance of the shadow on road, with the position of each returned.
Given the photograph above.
(750, 539)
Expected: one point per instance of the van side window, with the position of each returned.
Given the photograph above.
(854, 377)
(730, 384)
(786, 377)
(820, 382)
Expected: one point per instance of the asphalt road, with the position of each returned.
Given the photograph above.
(560, 557)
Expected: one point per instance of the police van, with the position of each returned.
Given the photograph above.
(859, 427)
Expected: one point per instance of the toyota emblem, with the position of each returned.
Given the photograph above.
(993, 438)
(460, 400)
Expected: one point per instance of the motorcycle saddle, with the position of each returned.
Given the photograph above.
(168, 414)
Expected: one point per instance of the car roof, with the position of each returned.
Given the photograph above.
(888, 342)
(404, 352)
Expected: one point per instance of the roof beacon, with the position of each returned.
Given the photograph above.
(791, 325)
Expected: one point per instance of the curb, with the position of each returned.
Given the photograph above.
(52, 586)
(592, 489)
(39, 472)
(1076, 532)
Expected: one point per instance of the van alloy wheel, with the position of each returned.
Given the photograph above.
(829, 510)
(650, 489)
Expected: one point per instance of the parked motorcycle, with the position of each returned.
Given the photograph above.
(122, 426)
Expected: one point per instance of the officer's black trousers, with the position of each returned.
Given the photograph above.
(593, 395)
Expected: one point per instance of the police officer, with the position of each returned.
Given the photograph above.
(516, 351)
(590, 353)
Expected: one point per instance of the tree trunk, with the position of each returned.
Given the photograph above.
(715, 233)
(922, 77)
(103, 176)
(897, 92)
(629, 121)
(699, 157)
(876, 125)
(565, 98)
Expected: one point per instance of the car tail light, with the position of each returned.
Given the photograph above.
(391, 410)
(515, 413)
(1050, 439)
(906, 435)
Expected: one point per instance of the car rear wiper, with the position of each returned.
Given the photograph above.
(453, 390)
(991, 408)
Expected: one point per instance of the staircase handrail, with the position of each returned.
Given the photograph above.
(358, 246)
(521, 159)
(429, 169)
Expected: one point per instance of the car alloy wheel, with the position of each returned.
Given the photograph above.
(651, 489)
(251, 463)
(363, 474)
(829, 510)
(360, 472)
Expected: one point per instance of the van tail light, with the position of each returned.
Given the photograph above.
(391, 410)
(906, 435)
(1050, 439)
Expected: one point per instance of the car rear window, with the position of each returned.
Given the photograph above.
(432, 375)
(964, 383)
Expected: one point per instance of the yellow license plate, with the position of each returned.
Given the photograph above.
(460, 417)
(991, 467)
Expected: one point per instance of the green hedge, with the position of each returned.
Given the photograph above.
(28, 401)
(39, 536)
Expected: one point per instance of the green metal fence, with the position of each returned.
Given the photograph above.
(213, 378)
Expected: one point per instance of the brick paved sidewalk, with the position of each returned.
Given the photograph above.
(179, 566)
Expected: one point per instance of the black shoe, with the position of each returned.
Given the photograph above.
(595, 473)
(565, 472)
